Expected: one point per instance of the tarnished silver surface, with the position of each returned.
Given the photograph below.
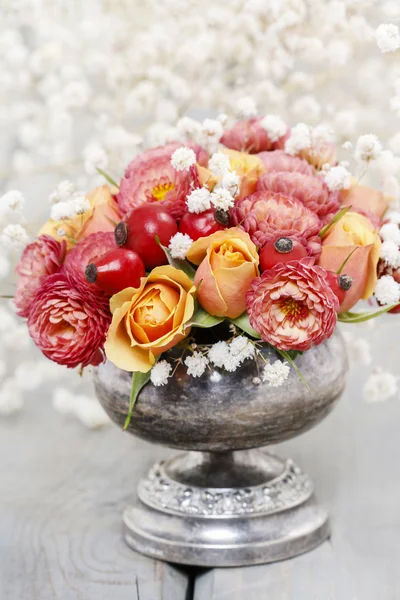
(227, 504)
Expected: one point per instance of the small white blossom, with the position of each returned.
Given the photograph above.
(393, 216)
(390, 232)
(219, 353)
(387, 290)
(196, 364)
(231, 182)
(246, 107)
(274, 126)
(338, 178)
(61, 232)
(368, 147)
(199, 200)
(79, 203)
(212, 128)
(215, 377)
(10, 397)
(300, 138)
(95, 157)
(380, 386)
(388, 37)
(62, 193)
(85, 408)
(14, 237)
(160, 372)
(188, 128)
(11, 207)
(390, 253)
(276, 374)
(222, 199)
(180, 244)
(219, 164)
(62, 211)
(347, 145)
(241, 347)
(183, 158)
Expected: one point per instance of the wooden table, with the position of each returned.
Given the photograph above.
(62, 490)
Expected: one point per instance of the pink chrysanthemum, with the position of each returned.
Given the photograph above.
(85, 252)
(310, 190)
(150, 177)
(68, 326)
(292, 306)
(268, 215)
(41, 258)
(280, 161)
(249, 136)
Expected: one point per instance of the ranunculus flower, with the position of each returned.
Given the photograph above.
(247, 166)
(310, 190)
(103, 215)
(353, 231)
(41, 258)
(69, 327)
(228, 262)
(269, 215)
(369, 202)
(249, 136)
(150, 319)
(150, 177)
(85, 252)
(278, 160)
(291, 306)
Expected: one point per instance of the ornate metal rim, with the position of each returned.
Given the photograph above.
(291, 488)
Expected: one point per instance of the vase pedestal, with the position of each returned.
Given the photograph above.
(225, 509)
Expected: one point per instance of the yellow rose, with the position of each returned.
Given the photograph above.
(228, 262)
(351, 231)
(150, 319)
(365, 199)
(102, 215)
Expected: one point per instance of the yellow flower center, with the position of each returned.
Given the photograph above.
(293, 309)
(159, 191)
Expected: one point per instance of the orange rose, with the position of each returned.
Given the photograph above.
(248, 166)
(102, 215)
(228, 263)
(365, 199)
(150, 319)
(353, 231)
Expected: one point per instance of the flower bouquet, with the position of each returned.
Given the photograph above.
(215, 272)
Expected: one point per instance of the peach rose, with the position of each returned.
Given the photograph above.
(228, 263)
(248, 166)
(353, 231)
(150, 319)
(366, 200)
(102, 215)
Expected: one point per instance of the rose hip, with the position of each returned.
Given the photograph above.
(116, 270)
(339, 284)
(139, 229)
(200, 225)
(282, 251)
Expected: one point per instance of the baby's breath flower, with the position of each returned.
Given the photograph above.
(14, 237)
(347, 145)
(242, 348)
(196, 364)
(199, 200)
(274, 126)
(180, 244)
(390, 253)
(390, 232)
(62, 193)
(380, 386)
(219, 164)
(62, 211)
(387, 290)
(368, 147)
(276, 374)
(222, 199)
(300, 138)
(218, 354)
(79, 203)
(246, 107)
(95, 157)
(183, 158)
(387, 37)
(231, 182)
(338, 178)
(160, 372)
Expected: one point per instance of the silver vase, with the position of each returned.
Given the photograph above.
(224, 501)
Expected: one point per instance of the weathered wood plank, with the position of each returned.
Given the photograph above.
(62, 491)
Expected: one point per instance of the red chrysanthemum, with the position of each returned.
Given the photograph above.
(268, 215)
(41, 258)
(68, 326)
(292, 306)
(310, 190)
(150, 177)
(249, 136)
(280, 161)
(85, 252)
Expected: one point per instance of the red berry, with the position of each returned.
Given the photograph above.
(339, 284)
(281, 250)
(116, 270)
(139, 229)
(200, 225)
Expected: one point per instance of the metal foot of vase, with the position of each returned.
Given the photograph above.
(225, 509)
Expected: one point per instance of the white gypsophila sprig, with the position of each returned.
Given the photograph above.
(380, 386)
(160, 373)
(299, 139)
(79, 203)
(196, 364)
(62, 211)
(393, 216)
(390, 253)
(276, 373)
(387, 290)
(198, 200)
(183, 158)
(242, 348)
(337, 178)
(222, 198)
(219, 164)
(274, 126)
(62, 193)
(390, 232)
(368, 147)
(230, 181)
(230, 356)
(246, 107)
(95, 157)
(14, 238)
(179, 245)
(387, 37)
(219, 353)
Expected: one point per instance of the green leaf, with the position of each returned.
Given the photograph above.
(335, 219)
(244, 324)
(346, 260)
(107, 177)
(350, 317)
(182, 265)
(203, 319)
(139, 380)
(286, 355)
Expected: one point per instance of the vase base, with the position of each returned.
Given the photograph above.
(181, 516)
